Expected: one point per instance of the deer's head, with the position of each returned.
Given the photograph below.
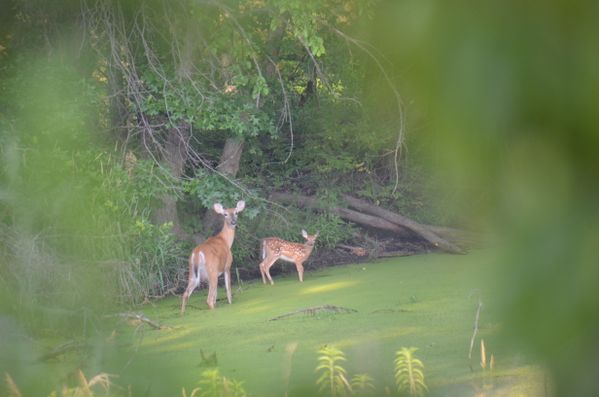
(230, 214)
(310, 238)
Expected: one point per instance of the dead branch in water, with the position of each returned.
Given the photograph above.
(475, 330)
(315, 310)
(139, 318)
(63, 348)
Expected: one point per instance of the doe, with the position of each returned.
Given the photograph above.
(213, 257)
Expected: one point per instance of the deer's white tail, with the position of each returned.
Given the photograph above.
(198, 263)
(263, 247)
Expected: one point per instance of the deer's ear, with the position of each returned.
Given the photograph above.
(304, 233)
(240, 206)
(218, 208)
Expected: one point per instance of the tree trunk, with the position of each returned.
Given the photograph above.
(118, 108)
(228, 165)
(275, 40)
(174, 157)
(229, 160)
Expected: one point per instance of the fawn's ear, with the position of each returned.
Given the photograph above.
(304, 234)
(218, 208)
(316, 235)
(240, 206)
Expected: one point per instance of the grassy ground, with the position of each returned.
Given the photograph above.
(426, 301)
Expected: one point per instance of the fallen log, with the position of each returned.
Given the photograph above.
(345, 213)
(371, 216)
(460, 237)
(368, 220)
(406, 222)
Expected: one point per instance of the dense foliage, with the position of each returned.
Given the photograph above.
(123, 128)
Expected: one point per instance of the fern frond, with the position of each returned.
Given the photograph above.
(333, 378)
(212, 384)
(483, 354)
(194, 391)
(362, 383)
(345, 381)
(84, 383)
(102, 379)
(13, 390)
(409, 372)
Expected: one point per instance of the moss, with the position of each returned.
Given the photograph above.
(422, 301)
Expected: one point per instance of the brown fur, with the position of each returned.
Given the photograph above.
(213, 256)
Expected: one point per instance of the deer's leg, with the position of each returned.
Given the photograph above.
(263, 271)
(300, 270)
(265, 268)
(263, 256)
(194, 281)
(212, 287)
(228, 284)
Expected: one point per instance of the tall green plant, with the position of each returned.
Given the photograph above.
(409, 373)
(213, 384)
(333, 378)
(362, 384)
